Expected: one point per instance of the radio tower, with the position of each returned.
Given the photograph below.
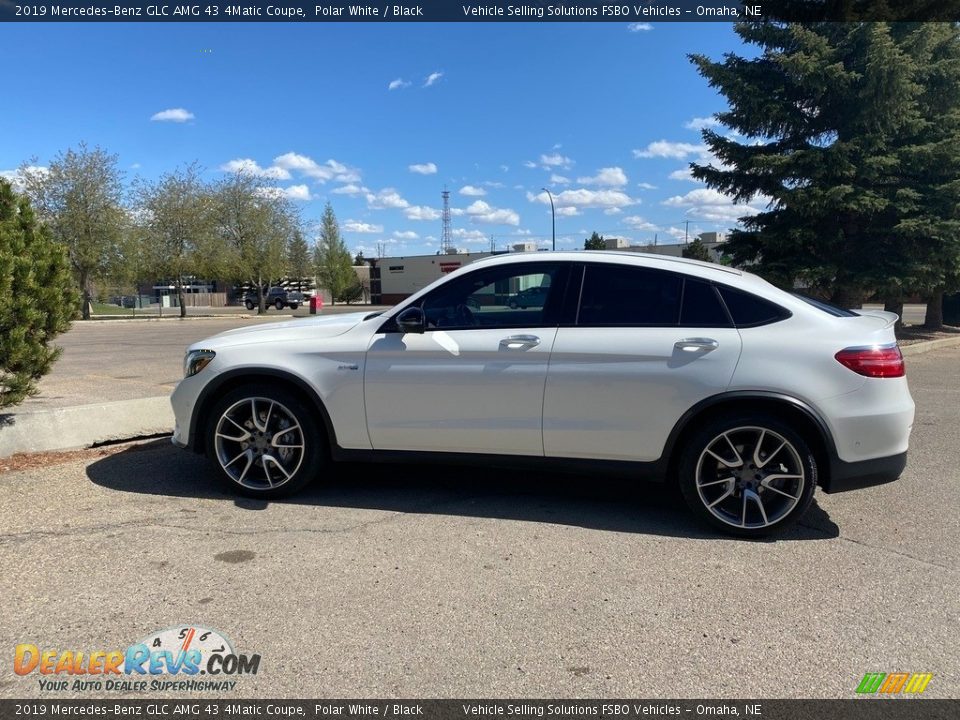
(446, 235)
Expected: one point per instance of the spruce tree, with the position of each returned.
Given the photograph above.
(332, 259)
(851, 131)
(37, 297)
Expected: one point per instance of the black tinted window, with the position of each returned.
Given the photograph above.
(701, 306)
(623, 295)
(825, 306)
(746, 309)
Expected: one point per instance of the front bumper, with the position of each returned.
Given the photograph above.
(863, 473)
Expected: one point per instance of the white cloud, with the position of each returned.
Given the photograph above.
(482, 212)
(177, 115)
(667, 149)
(493, 184)
(682, 174)
(583, 198)
(700, 123)
(559, 180)
(472, 191)
(505, 168)
(421, 212)
(423, 168)
(362, 227)
(709, 204)
(386, 198)
(15, 177)
(398, 84)
(529, 164)
(405, 235)
(251, 167)
(352, 189)
(330, 170)
(294, 192)
(568, 211)
(470, 236)
(612, 211)
(555, 160)
(638, 223)
(432, 78)
(639, 27)
(646, 186)
(609, 176)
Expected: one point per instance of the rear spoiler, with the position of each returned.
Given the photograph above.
(889, 317)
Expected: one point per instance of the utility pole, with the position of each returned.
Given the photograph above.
(686, 231)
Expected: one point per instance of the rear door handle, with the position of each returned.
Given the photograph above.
(696, 344)
(520, 342)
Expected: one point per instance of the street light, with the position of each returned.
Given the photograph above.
(553, 219)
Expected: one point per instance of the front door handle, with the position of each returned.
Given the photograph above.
(520, 342)
(696, 344)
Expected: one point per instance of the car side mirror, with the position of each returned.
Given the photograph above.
(411, 320)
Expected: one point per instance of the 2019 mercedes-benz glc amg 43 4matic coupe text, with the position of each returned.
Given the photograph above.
(747, 396)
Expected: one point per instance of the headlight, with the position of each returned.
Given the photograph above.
(196, 360)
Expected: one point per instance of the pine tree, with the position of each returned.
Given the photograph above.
(332, 259)
(696, 251)
(298, 259)
(851, 132)
(37, 297)
(595, 242)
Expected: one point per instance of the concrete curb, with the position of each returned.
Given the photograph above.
(924, 347)
(124, 319)
(81, 426)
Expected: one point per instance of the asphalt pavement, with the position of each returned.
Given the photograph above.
(439, 582)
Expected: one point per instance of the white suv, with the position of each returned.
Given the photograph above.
(676, 370)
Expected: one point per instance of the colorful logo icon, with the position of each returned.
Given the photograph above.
(894, 683)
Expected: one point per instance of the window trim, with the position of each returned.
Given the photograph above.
(785, 314)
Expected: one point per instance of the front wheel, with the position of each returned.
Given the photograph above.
(265, 442)
(749, 474)
(249, 304)
(278, 304)
(294, 306)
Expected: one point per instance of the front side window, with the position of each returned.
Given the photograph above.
(521, 295)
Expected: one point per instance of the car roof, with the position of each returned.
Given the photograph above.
(650, 260)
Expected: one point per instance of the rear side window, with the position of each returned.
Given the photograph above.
(702, 306)
(749, 310)
(623, 295)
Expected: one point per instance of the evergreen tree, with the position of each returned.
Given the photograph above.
(299, 263)
(696, 251)
(332, 259)
(595, 242)
(852, 135)
(37, 297)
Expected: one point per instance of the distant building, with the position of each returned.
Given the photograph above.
(524, 247)
(616, 243)
(396, 278)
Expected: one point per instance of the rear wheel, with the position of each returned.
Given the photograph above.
(749, 474)
(249, 304)
(278, 304)
(265, 442)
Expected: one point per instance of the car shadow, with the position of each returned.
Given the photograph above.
(595, 502)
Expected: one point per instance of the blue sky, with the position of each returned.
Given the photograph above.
(603, 114)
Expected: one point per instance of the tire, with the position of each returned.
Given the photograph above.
(512, 305)
(294, 306)
(278, 304)
(249, 304)
(237, 446)
(749, 499)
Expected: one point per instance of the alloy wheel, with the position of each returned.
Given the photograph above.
(750, 477)
(259, 443)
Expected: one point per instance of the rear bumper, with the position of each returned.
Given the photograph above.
(863, 473)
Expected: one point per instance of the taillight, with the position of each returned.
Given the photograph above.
(877, 361)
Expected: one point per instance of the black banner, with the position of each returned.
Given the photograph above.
(478, 11)
(854, 709)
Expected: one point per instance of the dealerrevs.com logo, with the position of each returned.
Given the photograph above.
(171, 659)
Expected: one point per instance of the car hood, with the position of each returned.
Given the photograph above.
(309, 327)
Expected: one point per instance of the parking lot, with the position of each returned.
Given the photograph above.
(445, 582)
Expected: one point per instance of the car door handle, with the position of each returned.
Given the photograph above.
(695, 344)
(520, 342)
